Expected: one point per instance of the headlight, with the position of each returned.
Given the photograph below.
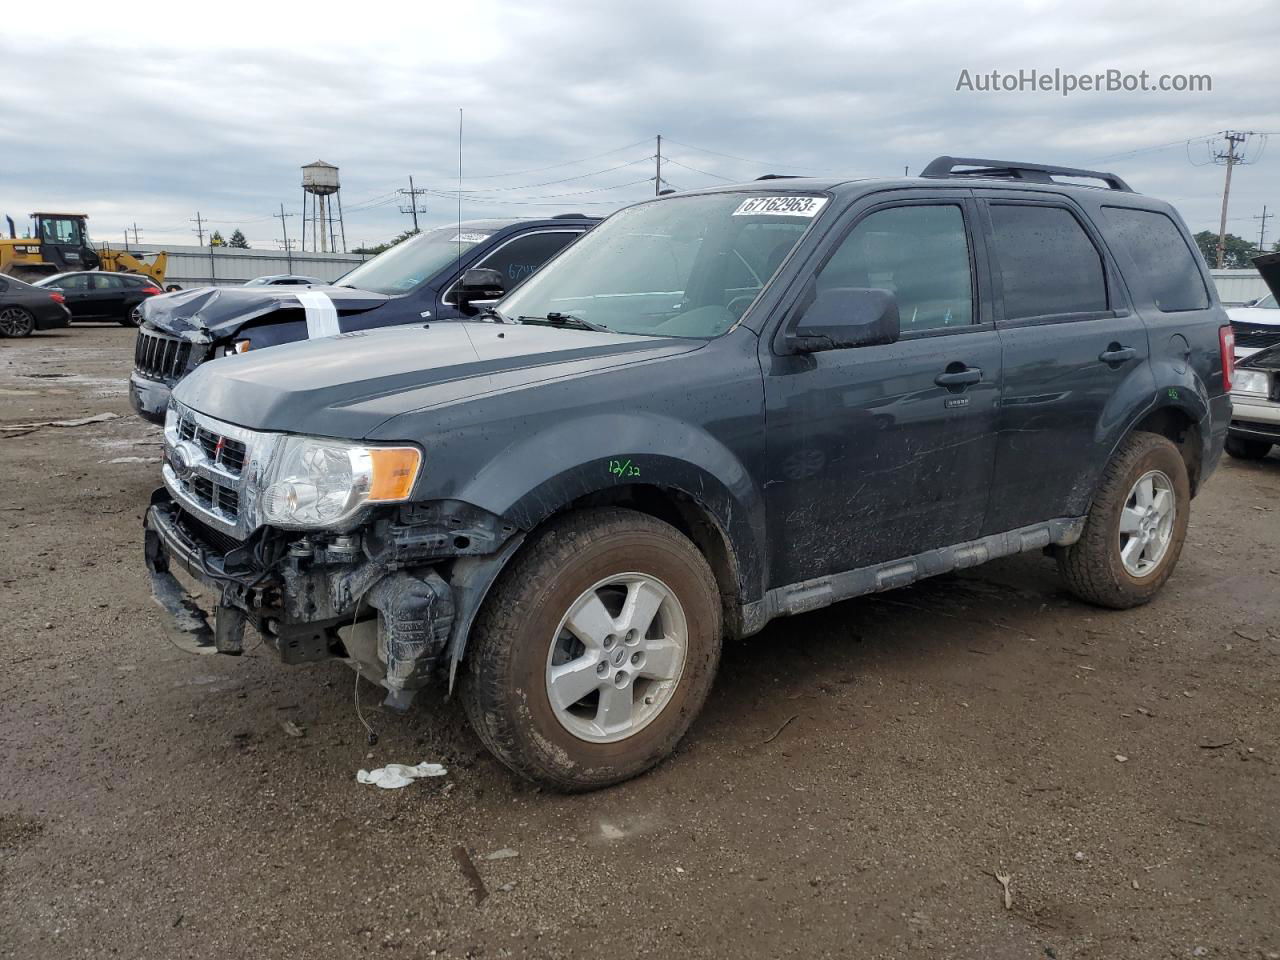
(236, 346)
(317, 483)
(1254, 382)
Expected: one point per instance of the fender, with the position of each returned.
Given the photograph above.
(545, 472)
(1164, 384)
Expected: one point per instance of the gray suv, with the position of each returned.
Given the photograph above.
(715, 409)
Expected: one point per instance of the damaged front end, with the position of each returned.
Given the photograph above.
(391, 590)
(179, 331)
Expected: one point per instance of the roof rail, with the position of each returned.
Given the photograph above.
(574, 216)
(1011, 170)
(781, 176)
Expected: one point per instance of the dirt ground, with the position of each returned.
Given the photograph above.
(858, 777)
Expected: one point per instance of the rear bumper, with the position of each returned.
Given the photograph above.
(1255, 419)
(149, 398)
(53, 319)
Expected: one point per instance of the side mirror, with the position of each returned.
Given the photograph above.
(477, 285)
(841, 317)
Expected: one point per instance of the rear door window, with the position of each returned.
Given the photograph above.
(1046, 262)
(1165, 262)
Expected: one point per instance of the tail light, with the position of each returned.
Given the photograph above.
(57, 298)
(1227, 345)
(151, 291)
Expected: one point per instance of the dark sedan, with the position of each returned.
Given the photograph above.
(24, 308)
(97, 295)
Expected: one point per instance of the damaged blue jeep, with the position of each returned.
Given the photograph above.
(716, 409)
(422, 278)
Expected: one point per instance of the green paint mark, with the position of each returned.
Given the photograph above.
(623, 468)
(1173, 394)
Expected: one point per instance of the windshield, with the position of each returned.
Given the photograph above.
(415, 260)
(1268, 302)
(679, 267)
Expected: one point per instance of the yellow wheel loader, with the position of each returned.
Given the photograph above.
(59, 242)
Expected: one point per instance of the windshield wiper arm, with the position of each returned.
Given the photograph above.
(555, 319)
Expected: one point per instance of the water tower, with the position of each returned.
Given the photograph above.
(321, 187)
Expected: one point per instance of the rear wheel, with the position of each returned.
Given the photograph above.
(16, 322)
(595, 650)
(1134, 532)
(1244, 449)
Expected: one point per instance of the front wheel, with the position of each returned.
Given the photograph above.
(1134, 532)
(594, 651)
(16, 322)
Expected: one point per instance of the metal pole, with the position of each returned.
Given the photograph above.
(657, 180)
(1262, 230)
(413, 203)
(1232, 140)
(341, 223)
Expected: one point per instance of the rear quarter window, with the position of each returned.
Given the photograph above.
(1164, 261)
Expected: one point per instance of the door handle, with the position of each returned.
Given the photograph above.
(961, 377)
(1117, 354)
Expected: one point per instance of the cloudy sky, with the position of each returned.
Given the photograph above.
(154, 117)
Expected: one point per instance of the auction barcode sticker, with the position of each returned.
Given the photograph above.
(470, 238)
(792, 206)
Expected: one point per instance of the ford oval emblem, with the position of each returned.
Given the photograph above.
(183, 460)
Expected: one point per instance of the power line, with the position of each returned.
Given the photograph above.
(705, 173)
(1159, 146)
(566, 163)
(551, 196)
(550, 183)
(762, 163)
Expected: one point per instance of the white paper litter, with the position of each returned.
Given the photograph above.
(395, 775)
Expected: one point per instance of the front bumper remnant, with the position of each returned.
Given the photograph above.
(304, 598)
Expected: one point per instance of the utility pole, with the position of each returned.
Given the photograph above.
(136, 238)
(1230, 158)
(198, 231)
(284, 231)
(413, 208)
(1262, 230)
(657, 179)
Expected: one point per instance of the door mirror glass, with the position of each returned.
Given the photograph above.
(841, 317)
(478, 284)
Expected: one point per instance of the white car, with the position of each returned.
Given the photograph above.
(1255, 388)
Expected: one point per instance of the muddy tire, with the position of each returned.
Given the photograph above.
(1244, 449)
(1134, 532)
(594, 651)
(16, 322)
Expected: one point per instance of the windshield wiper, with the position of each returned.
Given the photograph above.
(555, 319)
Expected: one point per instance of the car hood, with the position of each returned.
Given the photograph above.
(1269, 266)
(211, 313)
(346, 386)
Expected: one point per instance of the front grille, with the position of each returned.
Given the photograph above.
(1255, 335)
(158, 357)
(220, 449)
(209, 468)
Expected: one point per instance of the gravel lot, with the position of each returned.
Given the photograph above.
(858, 777)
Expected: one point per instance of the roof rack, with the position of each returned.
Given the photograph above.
(781, 176)
(574, 216)
(1011, 170)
